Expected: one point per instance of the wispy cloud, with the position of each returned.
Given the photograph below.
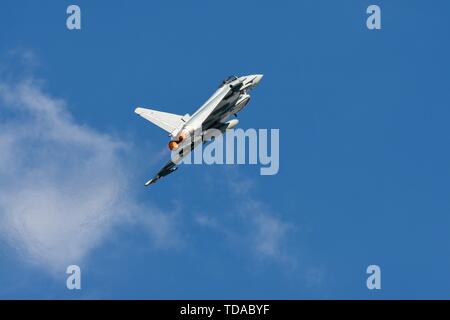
(63, 185)
(269, 231)
(255, 226)
(251, 226)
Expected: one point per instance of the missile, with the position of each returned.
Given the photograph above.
(149, 182)
(232, 123)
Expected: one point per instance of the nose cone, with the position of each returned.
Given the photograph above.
(251, 81)
(257, 79)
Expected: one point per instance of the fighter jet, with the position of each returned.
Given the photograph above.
(187, 132)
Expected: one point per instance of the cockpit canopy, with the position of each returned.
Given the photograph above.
(228, 80)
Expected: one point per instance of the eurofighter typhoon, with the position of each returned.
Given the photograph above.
(187, 132)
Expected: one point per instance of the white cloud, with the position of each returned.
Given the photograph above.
(268, 235)
(63, 185)
(255, 228)
(269, 231)
(162, 227)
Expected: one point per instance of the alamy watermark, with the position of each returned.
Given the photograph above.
(73, 281)
(373, 22)
(374, 280)
(232, 146)
(73, 21)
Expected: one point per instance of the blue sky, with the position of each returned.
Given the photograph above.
(364, 160)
